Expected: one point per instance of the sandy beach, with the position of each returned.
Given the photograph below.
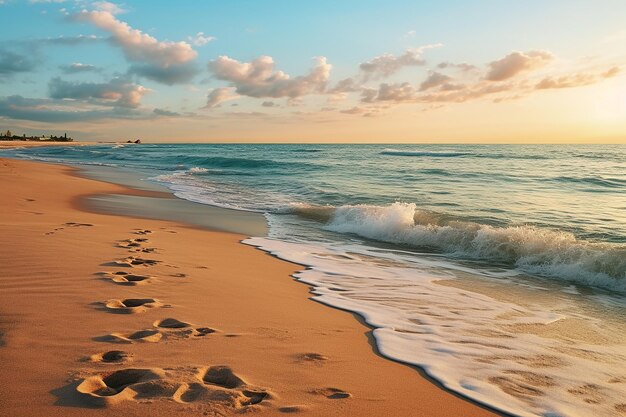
(111, 315)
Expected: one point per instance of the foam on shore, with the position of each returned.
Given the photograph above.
(517, 348)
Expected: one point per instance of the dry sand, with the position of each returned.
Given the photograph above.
(107, 315)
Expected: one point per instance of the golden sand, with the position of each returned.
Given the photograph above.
(118, 316)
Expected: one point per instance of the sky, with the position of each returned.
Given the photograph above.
(399, 71)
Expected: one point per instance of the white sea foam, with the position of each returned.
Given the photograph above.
(546, 252)
(521, 350)
(436, 154)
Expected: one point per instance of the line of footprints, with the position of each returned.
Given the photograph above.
(216, 388)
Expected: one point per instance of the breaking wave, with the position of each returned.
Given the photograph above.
(534, 250)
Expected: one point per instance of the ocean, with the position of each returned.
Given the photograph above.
(500, 270)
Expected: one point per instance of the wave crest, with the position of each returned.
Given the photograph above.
(440, 154)
(534, 250)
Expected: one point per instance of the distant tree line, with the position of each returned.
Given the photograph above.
(43, 138)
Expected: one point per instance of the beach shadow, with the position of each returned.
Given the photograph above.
(68, 396)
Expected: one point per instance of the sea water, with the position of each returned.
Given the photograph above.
(498, 269)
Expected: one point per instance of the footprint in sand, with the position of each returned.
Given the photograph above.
(144, 250)
(163, 329)
(221, 376)
(311, 357)
(126, 278)
(131, 305)
(293, 409)
(135, 245)
(112, 356)
(132, 261)
(332, 393)
(142, 336)
(183, 385)
(128, 243)
(74, 224)
(180, 328)
(69, 224)
(142, 231)
(224, 378)
(112, 388)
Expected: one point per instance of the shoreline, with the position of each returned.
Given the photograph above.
(317, 360)
(9, 144)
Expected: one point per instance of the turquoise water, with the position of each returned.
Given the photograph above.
(447, 250)
(557, 211)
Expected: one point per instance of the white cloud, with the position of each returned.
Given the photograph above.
(138, 46)
(517, 62)
(435, 79)
(258, 78)
(462, 66)
(579, 79)
(397, 92)
(199, 39)
(78, 67)
(217, 96)
(385, 65)
(163, 61)
(109, 7)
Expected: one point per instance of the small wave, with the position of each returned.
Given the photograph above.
(320, 214)
(394, 152)
(595, 181)
(198, 170)
(459, 154)
(544, 252)
(235, 162)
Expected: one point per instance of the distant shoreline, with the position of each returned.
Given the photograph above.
(33, 144)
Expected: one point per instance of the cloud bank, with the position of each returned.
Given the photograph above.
(117, 92)
(259, 78)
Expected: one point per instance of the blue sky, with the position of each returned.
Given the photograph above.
(66, 57)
